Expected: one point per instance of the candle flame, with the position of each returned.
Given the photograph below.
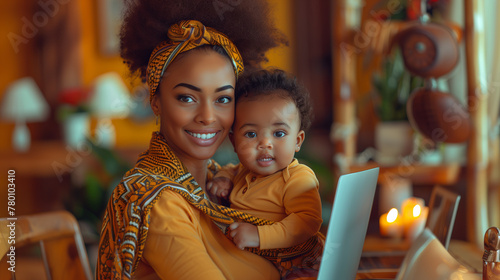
(392, 215)
(416, 210)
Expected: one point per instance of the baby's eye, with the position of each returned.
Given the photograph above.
(185, 98)
(279, 134)
(224, 99)
(250, 134)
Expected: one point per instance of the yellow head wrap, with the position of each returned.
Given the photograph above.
(184, 36)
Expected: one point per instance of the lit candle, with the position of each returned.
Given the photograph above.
(411, 209)
(390, 224)
(418, 224)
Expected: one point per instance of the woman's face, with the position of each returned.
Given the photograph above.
(196, 103)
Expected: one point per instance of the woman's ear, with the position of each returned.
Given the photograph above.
(155, 104)
(300, 139)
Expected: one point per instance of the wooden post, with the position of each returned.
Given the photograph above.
(477, 155)
(494, 139)
(494, 182)
(345, 20)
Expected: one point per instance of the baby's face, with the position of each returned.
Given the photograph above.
(266, 133)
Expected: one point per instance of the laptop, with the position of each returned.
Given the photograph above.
(348, 224)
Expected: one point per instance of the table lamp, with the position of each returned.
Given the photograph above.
(23, 102)
(110, 99)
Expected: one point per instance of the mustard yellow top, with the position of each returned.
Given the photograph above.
(289, 197)
(184, 243)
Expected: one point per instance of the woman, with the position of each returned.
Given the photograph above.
(159, 222)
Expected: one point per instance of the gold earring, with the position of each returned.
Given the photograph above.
(157, 117)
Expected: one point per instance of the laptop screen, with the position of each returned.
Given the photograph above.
(348, 224)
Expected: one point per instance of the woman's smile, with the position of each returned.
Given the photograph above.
(204, 138)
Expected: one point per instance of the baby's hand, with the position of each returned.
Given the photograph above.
(220, 187)
(245, 235)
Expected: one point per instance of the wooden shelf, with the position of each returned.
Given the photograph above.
(417, 173)
(46, 158)
(39, 159)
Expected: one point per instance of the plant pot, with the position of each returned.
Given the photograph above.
(393, 141)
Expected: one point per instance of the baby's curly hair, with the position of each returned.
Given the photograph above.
(247, 23)
(276, 82)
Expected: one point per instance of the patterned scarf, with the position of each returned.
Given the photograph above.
(184, 36)
(126, 219)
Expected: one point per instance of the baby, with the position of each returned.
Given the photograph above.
(272, 113)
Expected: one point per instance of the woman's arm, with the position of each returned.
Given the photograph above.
(174, 246)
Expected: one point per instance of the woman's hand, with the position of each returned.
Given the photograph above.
(220, 187)
(245, 235)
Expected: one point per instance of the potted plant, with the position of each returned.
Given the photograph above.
(393, 86)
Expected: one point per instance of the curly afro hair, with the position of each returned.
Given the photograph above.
(276, 82)
(246, 22)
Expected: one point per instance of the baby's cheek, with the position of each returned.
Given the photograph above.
(245, 148)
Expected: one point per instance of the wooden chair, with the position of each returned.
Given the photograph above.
(443, 207)
(60, 243)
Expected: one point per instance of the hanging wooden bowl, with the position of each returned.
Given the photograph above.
(428, 50)
(438, 116)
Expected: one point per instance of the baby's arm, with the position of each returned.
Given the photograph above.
(221, 185)
(244, 235)
(303, 208)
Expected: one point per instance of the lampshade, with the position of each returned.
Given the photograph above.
(24, 102)
(110, 97)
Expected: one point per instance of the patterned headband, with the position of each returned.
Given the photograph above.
(184, 36)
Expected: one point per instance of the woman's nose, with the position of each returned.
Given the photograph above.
(206, 115)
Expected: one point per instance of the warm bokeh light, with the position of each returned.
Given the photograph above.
(392, 215)
(416, 210)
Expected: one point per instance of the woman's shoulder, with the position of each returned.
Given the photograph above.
(141, 187)
(170, 199)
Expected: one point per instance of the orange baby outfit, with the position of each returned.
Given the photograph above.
(291, 199)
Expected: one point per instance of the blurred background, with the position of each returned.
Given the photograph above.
(63, 84)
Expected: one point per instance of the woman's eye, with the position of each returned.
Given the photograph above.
(224, 100)
(185, 98)
(250, 134)
(279, 134)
